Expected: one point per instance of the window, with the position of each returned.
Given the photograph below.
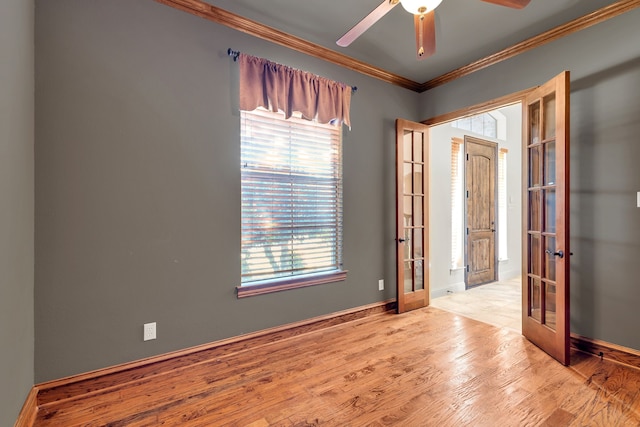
(502, 203)
(457, 210)
(482, 124)
(291, 202)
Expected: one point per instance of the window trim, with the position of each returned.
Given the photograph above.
(302, 281)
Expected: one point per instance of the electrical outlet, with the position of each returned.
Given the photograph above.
(381, 285)
(149, 331)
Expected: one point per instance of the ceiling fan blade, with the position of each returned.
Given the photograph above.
(516, 4)
(425, 34)
(366, 23)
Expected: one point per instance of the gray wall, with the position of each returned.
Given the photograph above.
(16, 206)
(605, 109)
(138, 185)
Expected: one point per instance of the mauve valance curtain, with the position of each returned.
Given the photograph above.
(280, 88)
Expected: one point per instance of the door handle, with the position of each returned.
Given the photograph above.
(400, 240)
(558, 254)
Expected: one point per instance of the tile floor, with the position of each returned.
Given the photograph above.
(498, 303)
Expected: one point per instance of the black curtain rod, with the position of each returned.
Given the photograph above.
(235, 53)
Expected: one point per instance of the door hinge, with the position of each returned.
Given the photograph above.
(467, 231)
(467, 157)
(467, 268)
(467, 194)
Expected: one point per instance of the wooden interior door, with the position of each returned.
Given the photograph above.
(412, 215)
(481, 161)
(545, 293)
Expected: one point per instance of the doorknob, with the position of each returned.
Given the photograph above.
(558, 254)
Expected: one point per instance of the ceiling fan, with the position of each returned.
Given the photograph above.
(423, 18)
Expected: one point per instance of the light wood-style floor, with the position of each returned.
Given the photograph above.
(498, 303)
(427, 367)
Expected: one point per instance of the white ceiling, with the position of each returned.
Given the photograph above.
(466, 30)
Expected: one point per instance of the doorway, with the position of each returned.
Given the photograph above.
(446, 215)
(499, 301)
(545, 197)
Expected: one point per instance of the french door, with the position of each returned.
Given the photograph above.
(545, 280)
(412, 215)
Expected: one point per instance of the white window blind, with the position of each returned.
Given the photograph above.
(457, 210)
(502, 203)
(291, 197)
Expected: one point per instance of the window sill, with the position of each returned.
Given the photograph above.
(283, 285)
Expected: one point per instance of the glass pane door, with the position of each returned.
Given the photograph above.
(546, 243)
(413, 210)
(542, 211)
(412, 152)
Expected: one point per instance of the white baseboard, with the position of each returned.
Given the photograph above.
(456, 287)
(508, 269)
(510, 274)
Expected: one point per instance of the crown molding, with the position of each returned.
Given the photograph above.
(254, 28)
(553, 34)
(205, 10)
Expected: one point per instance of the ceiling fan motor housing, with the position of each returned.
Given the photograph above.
(418, 7)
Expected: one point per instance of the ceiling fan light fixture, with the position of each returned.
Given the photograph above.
(418, 7)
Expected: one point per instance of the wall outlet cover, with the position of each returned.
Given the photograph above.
(149, 331)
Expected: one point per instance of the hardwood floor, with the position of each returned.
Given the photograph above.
(427, 367)
(498, 303)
